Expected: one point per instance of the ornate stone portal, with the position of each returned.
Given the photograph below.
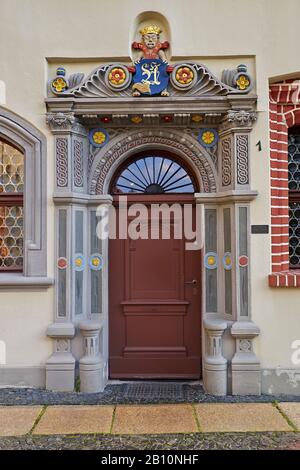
(100, 121)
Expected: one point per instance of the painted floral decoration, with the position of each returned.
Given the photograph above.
(98, 137)
(242, 82)
(197, 118)
(136, 119)
(96, 262)
(62, 263)
(117, 76)
(211, 260)
(227, 261)
(184, 75)
(79, 262)
(59, 84)
(208, 137)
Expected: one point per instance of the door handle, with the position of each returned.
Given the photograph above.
(192, 283)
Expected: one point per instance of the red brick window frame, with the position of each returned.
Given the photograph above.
(284, 109)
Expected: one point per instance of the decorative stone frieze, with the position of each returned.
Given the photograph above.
(215, 365)
(78, 164)
(91, 365)
(60, 367)
(226, 151)
(242, 163)
(245, 366)
(62, 172)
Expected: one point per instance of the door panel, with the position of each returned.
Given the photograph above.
(154, 315)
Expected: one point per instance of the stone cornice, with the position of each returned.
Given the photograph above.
(149, 105)
(225, 197)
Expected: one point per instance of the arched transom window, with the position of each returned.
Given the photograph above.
(153, 174)
(11, 207)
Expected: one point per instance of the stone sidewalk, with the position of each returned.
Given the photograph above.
(149, 419)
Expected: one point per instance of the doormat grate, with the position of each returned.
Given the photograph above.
(162, 391)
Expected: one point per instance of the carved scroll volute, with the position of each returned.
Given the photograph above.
(234, 134)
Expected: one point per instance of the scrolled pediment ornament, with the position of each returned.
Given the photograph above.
(150, 74)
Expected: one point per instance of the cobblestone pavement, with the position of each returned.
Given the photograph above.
(226, 441)
(125, 393)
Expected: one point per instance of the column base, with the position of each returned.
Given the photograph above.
(245, 366)
(246, 381)
(60, 372)
(215, 379)
(92, 375)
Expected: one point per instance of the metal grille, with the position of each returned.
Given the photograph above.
(163, 391)
(294, 162)
(294, 233)
(294, 199)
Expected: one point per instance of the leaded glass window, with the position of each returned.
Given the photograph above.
(294, 197)
(11, 207)
(153, 174)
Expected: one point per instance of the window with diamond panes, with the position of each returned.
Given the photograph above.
(11, 207)
(294, 197)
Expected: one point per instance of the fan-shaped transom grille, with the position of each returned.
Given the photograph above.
(153, 175)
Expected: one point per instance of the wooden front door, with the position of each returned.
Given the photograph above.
(154, 306)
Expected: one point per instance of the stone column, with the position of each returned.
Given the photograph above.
(215, 365)
(91, 364)
(60, 367)
(246, 374)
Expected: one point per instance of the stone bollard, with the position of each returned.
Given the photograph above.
(91, 364)
(215, 365)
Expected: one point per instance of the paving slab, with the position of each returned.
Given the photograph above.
(240, 417)
(154, 419)
(17, 420)
(292, 410)
(75, 420)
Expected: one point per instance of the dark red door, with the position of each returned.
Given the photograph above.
(154, 307)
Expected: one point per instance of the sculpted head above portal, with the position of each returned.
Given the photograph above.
(150, 35)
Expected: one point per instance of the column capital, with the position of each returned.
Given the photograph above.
(61, 123)
(238, 119)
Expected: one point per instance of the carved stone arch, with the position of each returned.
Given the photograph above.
(129, 143)
(32, 142)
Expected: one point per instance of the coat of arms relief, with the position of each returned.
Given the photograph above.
(150, 74)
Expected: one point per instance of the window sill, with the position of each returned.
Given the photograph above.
(285, 279)
(19, 280)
